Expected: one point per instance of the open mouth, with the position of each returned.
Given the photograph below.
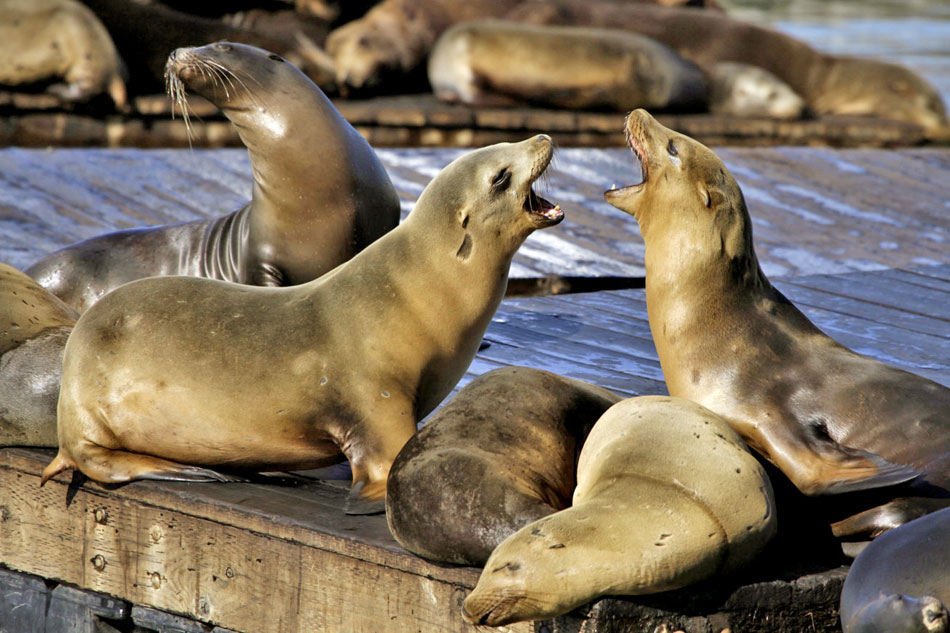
(541, 209)
(624, 198)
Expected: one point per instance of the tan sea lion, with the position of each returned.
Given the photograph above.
(34, 326)
(320, 193)
(169, 372)
(667, 495)
(52, 39)
(499, 455)
(728, 340)
(900, 583)
(492, 62)
(395, 37)
(829, 84)
(743, 90)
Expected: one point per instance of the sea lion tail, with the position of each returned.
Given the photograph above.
(61, 462)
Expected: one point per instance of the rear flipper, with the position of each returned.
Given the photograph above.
(874, 522)
(111, 466)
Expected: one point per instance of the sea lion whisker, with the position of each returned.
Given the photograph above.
(176, 92)
(232, 74)
(219, 78)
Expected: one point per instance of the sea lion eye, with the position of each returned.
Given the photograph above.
(501, 180)
(276, 58)
(671, 148)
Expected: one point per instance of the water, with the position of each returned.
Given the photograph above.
(913, 33)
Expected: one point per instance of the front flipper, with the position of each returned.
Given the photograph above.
(372, 449)
(818, 465)
(358, 504)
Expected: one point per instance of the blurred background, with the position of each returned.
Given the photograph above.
(400, 110)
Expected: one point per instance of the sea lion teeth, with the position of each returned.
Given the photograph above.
(199, 373)
(727, 339)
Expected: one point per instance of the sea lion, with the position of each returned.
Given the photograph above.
(167, 372)
(34, 326)
(145, 32)
(320, 193)
(743, 90)
(492, 62)
(900, 583)
(667, 495)
(499, 455)
(50, 39)
(829, 84)
(395, 37)
(728, 340)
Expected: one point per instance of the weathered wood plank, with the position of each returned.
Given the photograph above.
(223, 554)
(917, 314)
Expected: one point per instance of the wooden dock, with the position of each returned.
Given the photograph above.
(420, 120)
(857, 239)
(814, 210)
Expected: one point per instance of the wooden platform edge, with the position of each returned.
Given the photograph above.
(247, 573)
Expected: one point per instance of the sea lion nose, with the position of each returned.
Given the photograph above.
(543, 138)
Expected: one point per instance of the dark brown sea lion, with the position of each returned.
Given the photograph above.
(34, 326)
(829, 84)
(730, 341)
(491, 62)
(320, 193)
(167, 374)
(59, 39)
(667, 496)
(900, 583)
(146, 32)
(498, 456)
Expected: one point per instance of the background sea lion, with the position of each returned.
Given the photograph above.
(145, 32)
(33, 329)
(730, 341)
(486, 62)
(320, 193)
(51, 39)
(829, 84)
(169, 371)
(667, 495)
(900, 583)
(395, 37)
(499, 455)
(744, 90)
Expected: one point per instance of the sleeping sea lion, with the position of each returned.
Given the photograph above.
(501, 454)
(667, 495)
(900, 583)
(34, 326)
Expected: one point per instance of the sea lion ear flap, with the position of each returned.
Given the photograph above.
(711, 191)
(463, 217)
(704, 194)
